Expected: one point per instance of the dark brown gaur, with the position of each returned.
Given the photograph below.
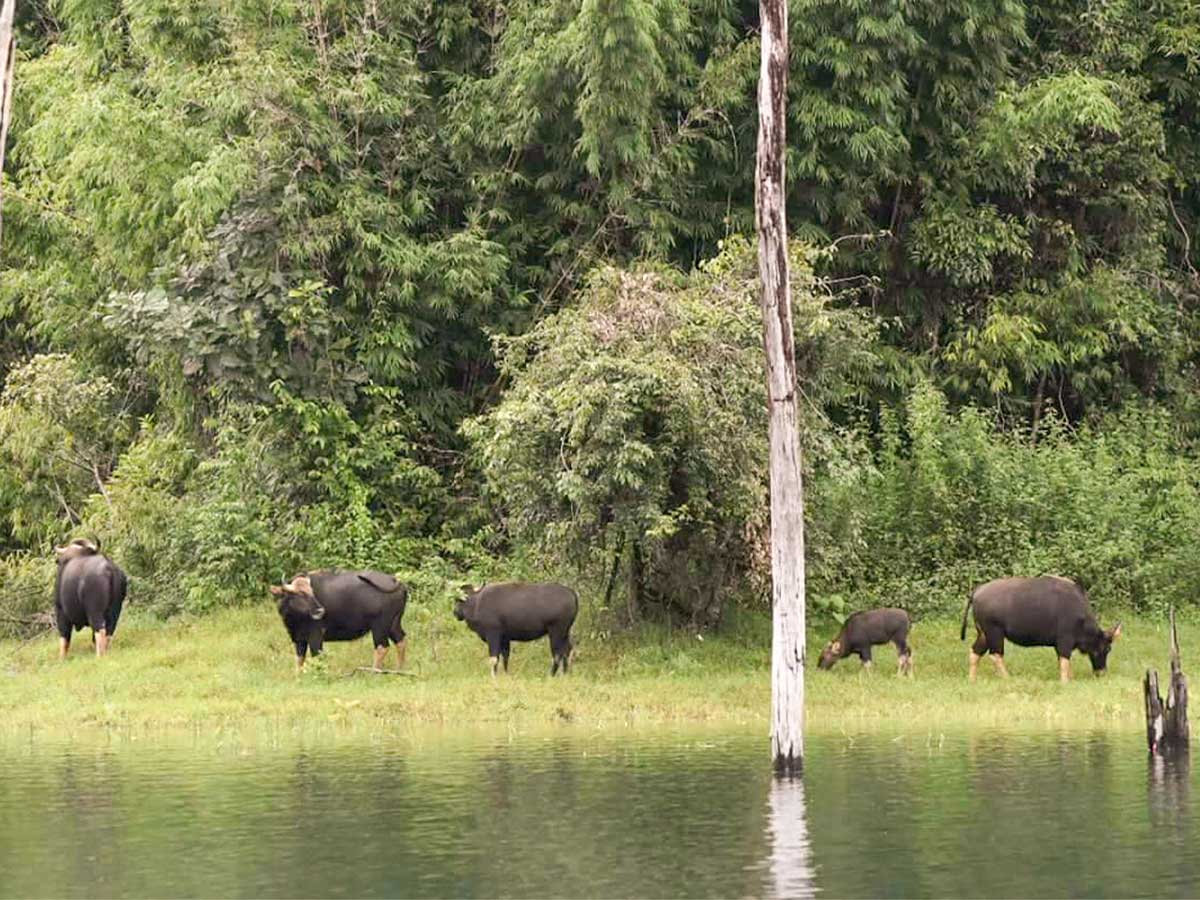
(89, 591)
(1048, 611)
(518, 611)
(868, 628)
(343, 606)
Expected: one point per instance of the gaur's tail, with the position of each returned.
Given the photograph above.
(962, 635)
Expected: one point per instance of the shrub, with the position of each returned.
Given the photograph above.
(632, 436)
(26, 583)
(952, 501)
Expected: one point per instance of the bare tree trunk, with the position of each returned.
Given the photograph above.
(635, 579)
(8, 52)
(787, 503)
(1038, 398)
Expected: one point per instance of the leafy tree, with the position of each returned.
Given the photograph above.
(632, 437)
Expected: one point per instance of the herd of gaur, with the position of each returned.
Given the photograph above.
(1047, 611)
(89, 591)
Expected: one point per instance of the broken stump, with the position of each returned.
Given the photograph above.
(1167, 728)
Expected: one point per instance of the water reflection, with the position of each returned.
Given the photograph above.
(787, 831)
(1170, 781)
(617, 814)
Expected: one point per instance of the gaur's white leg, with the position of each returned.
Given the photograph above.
(380, 653)
(101, 642)
(999, 661)
(495, 660)
(64, 644)
(972, 666)
(1064, 669)
(401, 653)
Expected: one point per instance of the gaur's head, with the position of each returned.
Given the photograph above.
(462, 608)
(297, 599)
(831, 654)
(1098, 651)
(77, 547)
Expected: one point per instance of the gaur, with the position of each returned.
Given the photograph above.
(1048, 611)
(867, 628)
(516, 611)
(343, 606)
(89, 590)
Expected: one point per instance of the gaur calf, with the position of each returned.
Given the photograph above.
(89, 591)
(343, 606)
(867, 628)
(516, 611)
(1048, 611)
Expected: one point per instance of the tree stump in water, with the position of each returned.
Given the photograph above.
(1167, 722)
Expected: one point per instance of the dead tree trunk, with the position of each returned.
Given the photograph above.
(635, 581)
(8, 53)
(1167, 728)
(787, 506)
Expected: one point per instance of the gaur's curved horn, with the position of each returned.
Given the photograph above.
(96, 542)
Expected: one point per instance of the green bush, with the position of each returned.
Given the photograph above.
(631, 440)
(950, 501)
(26, 583)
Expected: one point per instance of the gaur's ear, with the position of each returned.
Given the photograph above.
(836, 646)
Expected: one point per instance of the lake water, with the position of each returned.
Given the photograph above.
(572, 814)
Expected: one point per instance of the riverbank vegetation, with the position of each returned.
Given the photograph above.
(461, 291)
(233, 670)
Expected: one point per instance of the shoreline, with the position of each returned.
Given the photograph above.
(232, 673)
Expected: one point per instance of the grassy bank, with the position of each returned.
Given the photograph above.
(233, 670)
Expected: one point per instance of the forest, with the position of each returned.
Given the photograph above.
(461, 289)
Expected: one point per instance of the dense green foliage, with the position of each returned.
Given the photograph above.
(633, 436)
(424, 286)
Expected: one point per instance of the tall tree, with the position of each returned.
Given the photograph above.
(787, 502)
(7, 54)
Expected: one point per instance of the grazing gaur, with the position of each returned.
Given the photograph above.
(343, 606)
(1048, 611)
(516, 611)
(89, 590)
(863, 630)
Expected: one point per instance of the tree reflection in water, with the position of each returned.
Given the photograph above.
(787, 835)
(1170, 791)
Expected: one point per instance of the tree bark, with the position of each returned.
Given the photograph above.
(1167, 729)
(8, 48)
(1038, 398)
(787, 506)
(635, 580)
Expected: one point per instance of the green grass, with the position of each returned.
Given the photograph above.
(234, 670)
(940, 695)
